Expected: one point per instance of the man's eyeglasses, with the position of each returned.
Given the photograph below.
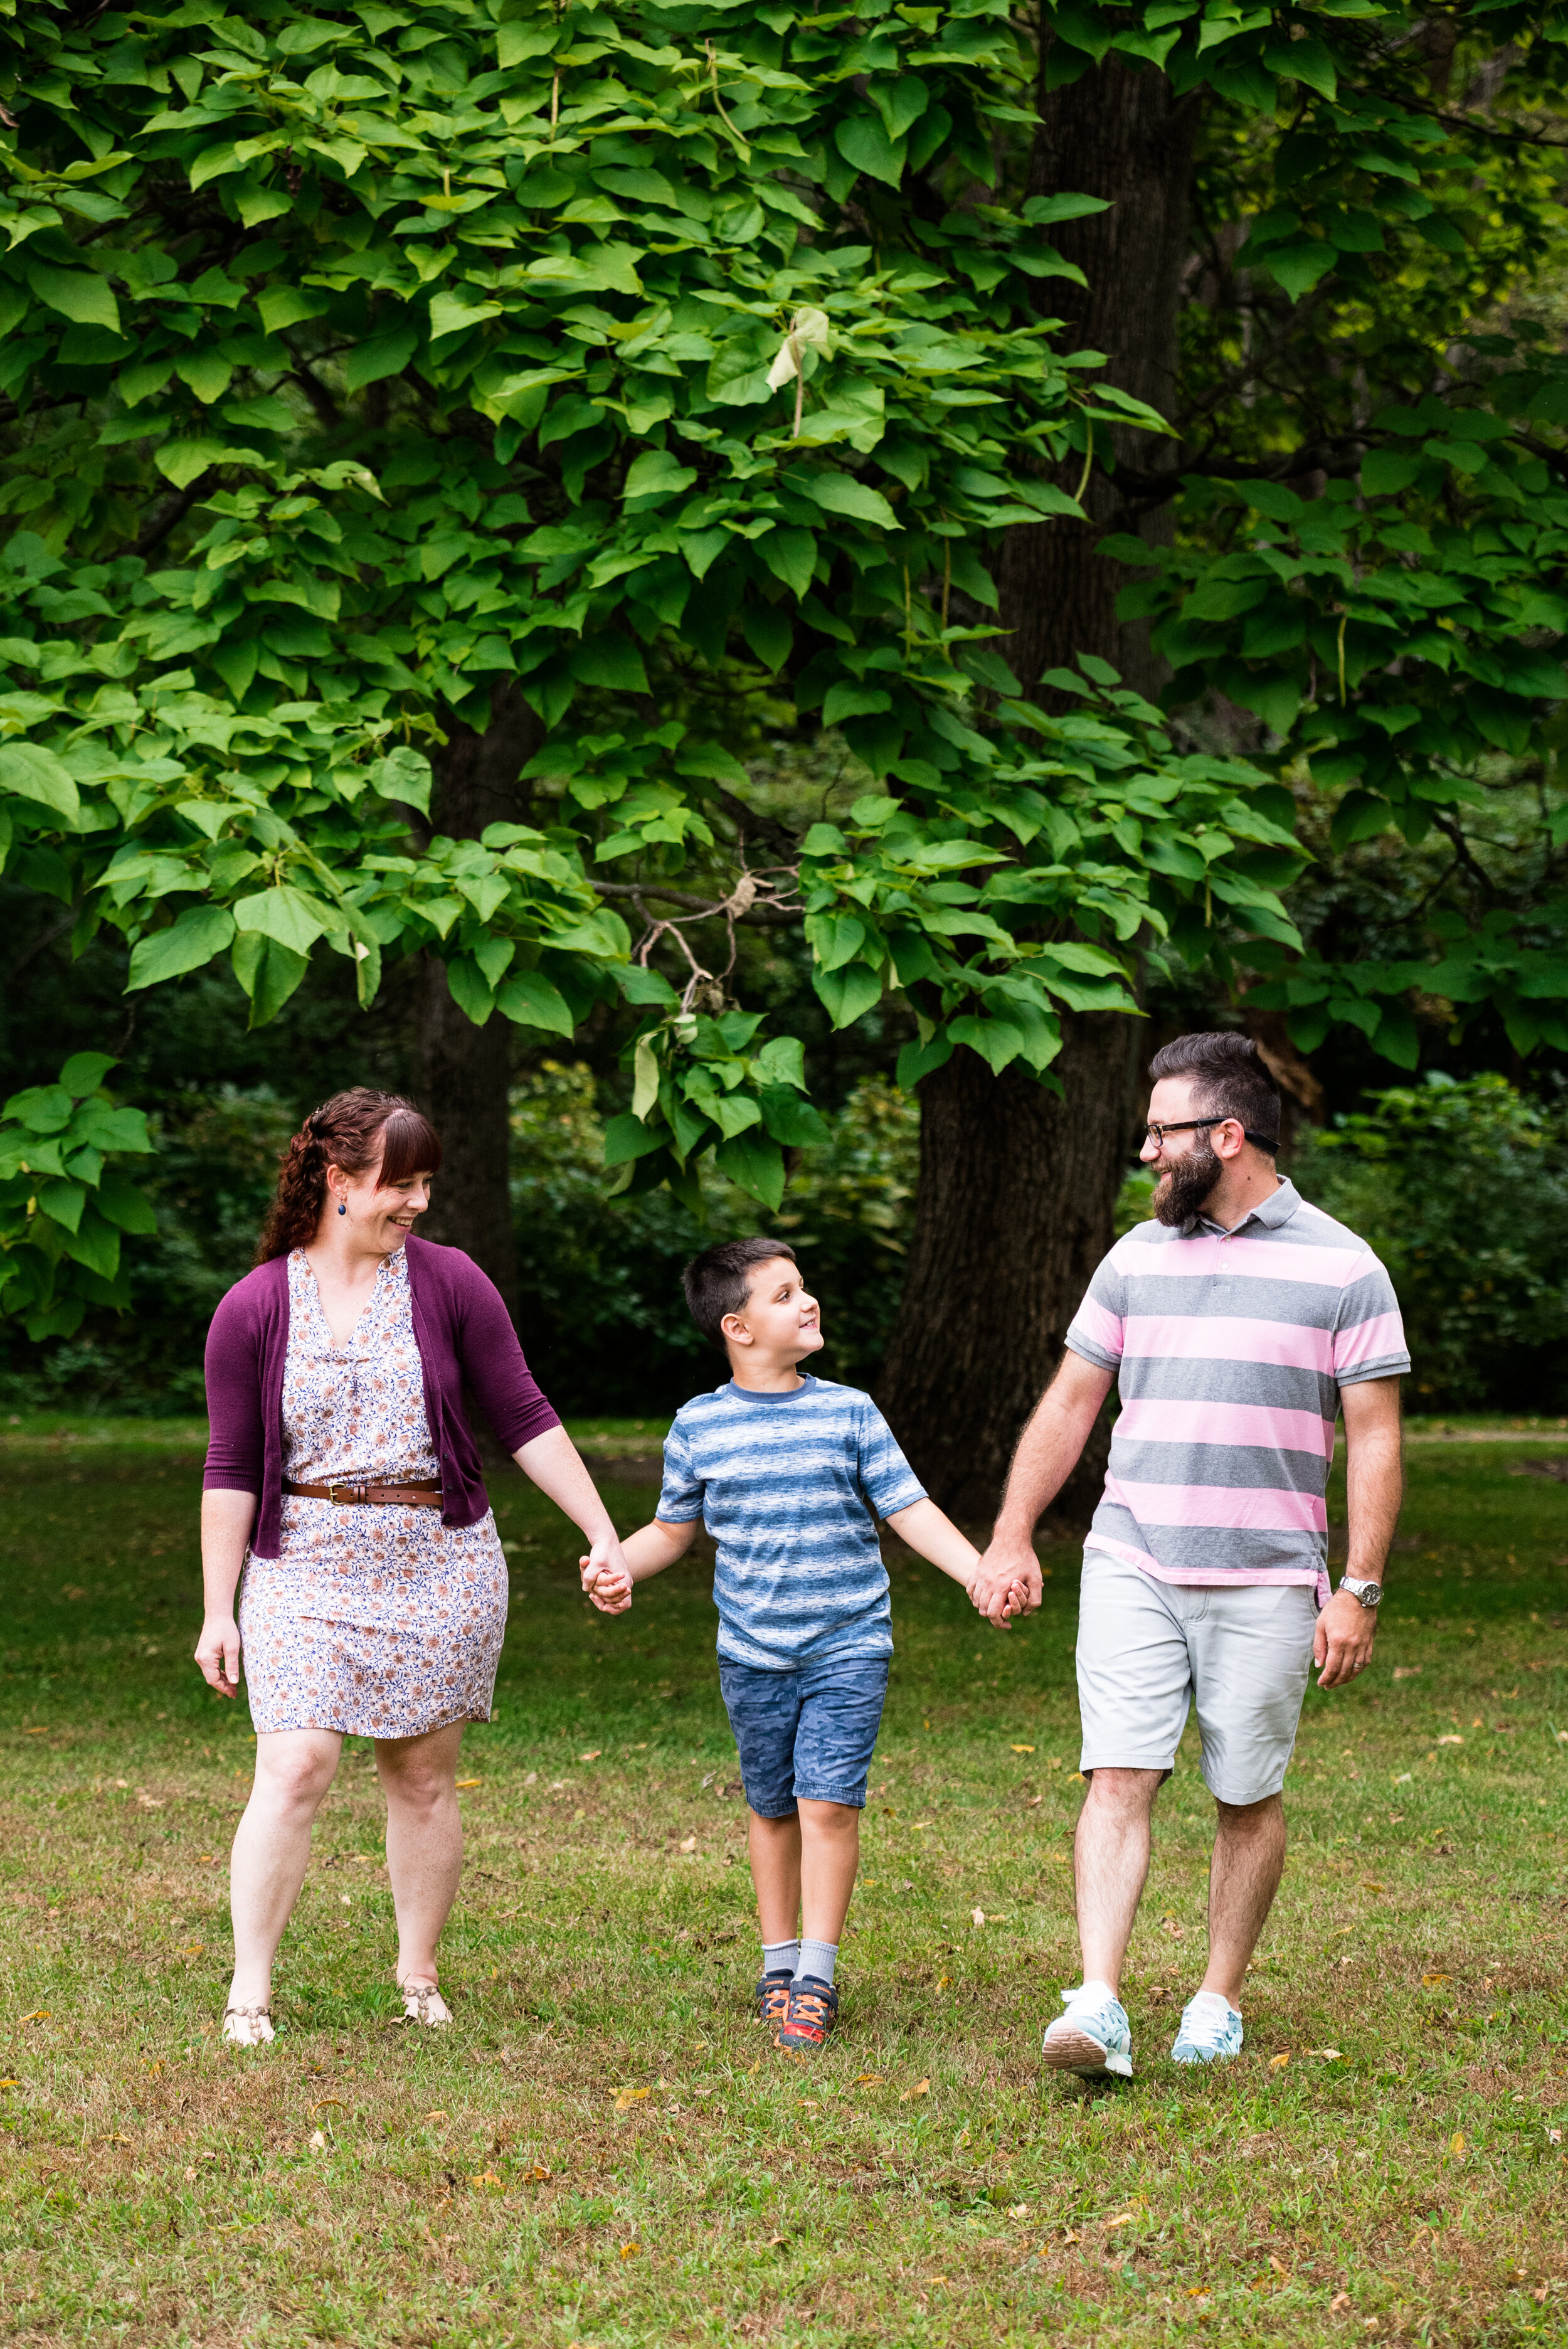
(1156, 1133)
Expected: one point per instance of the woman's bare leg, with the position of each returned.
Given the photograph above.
(294, 1767)
(424, 1840)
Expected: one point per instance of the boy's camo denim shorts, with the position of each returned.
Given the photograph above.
(806, 1735)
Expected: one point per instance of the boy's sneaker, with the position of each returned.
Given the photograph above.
(771, 1998)
(813, 2010)
(1210, 2031)
(1093, 2036)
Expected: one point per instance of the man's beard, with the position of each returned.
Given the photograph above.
(1186, 1183)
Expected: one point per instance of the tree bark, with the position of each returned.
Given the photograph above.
(1017, 1186)
(464, 1071)
(1119, 134)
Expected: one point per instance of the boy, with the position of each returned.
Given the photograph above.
(786, 1471)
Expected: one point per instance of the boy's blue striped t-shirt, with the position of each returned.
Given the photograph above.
(786, 1484)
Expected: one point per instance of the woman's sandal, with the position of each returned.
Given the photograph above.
(248, 2026)
(423, 2002)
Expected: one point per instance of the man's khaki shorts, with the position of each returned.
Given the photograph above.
(1147, 1650)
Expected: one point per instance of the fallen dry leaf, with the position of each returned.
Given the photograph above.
(688, 1843)
(1121, 2219)
(439, 2115)
(1406, 1671)
(39, 2015)
(322, 2103)
(1430, 1982)
(1450, 1740)
(1339, 2303)
(37, 1732)
(467, 1782)
(1457, 2142)
(484, 2178)
(920, 2088)
(189, 2176)
(593, 1753)
(538, 2176)
(1023, 1749)
(626, 2097)
(191, 1948)
(318, 2140)
(1370, 1884)
(1329, 2054)
(978, 1916)
(1275, 2061)
(630, 2251)
(869, 2080)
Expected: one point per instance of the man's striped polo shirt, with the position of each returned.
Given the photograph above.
(1229, 1350)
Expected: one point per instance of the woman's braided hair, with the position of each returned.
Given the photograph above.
(357, 1130)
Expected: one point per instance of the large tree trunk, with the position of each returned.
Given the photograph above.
(1017, 1186)
(464, 1069)
(1118, 133)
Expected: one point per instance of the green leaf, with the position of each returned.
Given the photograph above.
(793, 1121)
(289, 305)
(188, 944)
(626, 1138)
(207, 376)
(382, 356)
(611, 661)
(470, 990)
(783, 1061)
(841, 493)
(791, 557)
(995, 1040)
(268, 972)
(849, 992)
(529, 999)
(123, 1204)
(847, 699)
(284, 914)
(63, 1202)
(31, 773)
(755, 1163)
(862, 139)
(646, 1077)
(404, 774)
(916, 1061)
(87, 299)
(83, 1072)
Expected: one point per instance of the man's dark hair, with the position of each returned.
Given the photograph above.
(1232, 1079)
(717, 1281)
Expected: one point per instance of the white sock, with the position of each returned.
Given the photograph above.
(1211, 1999)
(782, 1958)
(1086, 1988)
(816, 1958)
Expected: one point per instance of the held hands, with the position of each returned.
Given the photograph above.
(606, 1578)
(1342, 1644)
(1006, 1582)
(218, 1654)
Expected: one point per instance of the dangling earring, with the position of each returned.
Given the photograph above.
(342, 1209)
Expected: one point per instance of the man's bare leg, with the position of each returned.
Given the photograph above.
(1111, 1858)
(1243, 1877)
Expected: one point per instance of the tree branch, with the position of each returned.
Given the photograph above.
(714, 906)
(170, 514)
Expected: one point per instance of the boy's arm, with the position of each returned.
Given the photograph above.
(648, 1551)
(926, 1529)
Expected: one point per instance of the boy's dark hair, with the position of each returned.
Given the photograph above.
(1232, 1078)
(717, 1282)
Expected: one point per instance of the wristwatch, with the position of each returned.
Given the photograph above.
(1369, 1594)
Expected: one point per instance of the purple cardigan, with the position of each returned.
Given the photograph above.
(463, 1331)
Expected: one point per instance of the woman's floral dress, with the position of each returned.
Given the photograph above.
(381, 1622)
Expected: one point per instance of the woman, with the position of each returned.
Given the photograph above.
(343, 1478)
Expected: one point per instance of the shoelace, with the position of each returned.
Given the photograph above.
(808, 2007)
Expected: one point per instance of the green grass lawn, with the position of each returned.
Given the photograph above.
(604, 2150)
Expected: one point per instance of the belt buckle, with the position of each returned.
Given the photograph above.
(346, 1495)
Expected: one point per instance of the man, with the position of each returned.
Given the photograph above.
(1234, 1324)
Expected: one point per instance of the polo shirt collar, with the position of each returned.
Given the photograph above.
(1277, 1209)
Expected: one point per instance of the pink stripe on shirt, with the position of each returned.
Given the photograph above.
(1103, 1328)
(1211, 1337)
(1254, 1510)
(1203, 1253)
(1201, 1578)
(1369, 1341)
(1155, 1421)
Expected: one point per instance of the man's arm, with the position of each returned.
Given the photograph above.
(1374, 1488)
(1047, 1456)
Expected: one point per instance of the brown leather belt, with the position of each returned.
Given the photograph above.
(424, 1493)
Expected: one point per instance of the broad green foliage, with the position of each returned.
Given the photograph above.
(391, 371)
(1372, 496)
(64, 1203)
(1463, 1190)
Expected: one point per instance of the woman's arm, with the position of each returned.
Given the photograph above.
(226, 1520)
(555, 1465)
(648, 1551)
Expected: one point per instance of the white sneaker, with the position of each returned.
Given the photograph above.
(1092, 2036)
(1210, 2031)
